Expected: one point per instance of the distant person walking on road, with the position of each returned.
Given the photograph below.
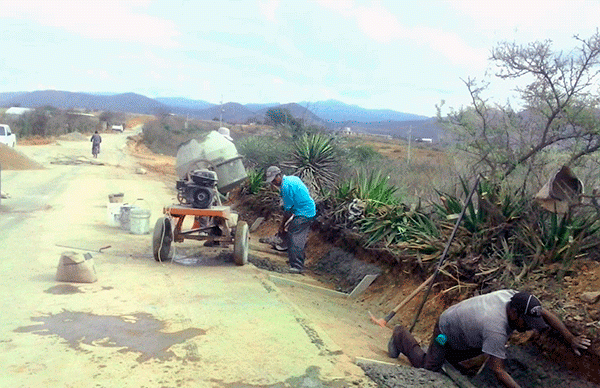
(96, 140)
(300, 208)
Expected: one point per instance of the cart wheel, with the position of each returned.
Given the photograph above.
(162, 239)
(240, 244)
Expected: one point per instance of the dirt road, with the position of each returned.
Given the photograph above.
(142, 323)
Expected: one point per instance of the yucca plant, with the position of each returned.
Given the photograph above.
(314, 159)
(256, 180)
(374, 188)
(402, 227)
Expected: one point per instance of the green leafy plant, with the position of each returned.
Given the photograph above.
(262, 151)
(256, 180)
(314, 159)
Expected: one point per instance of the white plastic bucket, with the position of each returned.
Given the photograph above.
(113, 214)
(139, 220)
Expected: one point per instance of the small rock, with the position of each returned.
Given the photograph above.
(590, 297)
(141, 171)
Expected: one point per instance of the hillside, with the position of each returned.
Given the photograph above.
(298, 111)
(331, 114)
(232, 113)
(127, 102)
(184, 103)
(340, 113)
(415, 129)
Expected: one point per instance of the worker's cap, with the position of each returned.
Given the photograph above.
(530, 309)
(272, 172)
(224, 131)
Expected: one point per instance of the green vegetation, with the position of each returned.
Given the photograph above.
(315, 159)
(48, 122)
(504, 235)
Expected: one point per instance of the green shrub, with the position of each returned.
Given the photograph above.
(260, 152)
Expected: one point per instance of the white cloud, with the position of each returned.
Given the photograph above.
(532, 18)
(381, 25)
(343, 7)
(452, 47)
(108, 19)
(268, 9)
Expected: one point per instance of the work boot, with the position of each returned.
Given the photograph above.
(295, 270)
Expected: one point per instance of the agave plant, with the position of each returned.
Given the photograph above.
(315, 160)
(374, 188)
(255, 182)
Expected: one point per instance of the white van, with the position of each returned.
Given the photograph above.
(6, 136)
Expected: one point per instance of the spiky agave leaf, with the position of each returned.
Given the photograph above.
(315, 160)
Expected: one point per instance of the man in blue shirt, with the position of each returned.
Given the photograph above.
(300, 208)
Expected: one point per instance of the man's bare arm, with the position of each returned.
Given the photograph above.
(576, 342)
(497, 365)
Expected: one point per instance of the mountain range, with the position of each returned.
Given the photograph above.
(331, 113)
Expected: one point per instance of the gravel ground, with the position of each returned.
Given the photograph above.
(388, 376)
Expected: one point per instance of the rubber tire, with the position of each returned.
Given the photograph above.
(240, 243)
(162, 239)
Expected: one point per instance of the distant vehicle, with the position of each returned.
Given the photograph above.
(6, 136)
(118, 127)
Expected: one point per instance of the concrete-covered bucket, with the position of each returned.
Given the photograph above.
(562, 190)
(214, 152)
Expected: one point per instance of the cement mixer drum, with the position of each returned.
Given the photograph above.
(214, 152)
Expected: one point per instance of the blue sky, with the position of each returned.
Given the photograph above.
(400, 55)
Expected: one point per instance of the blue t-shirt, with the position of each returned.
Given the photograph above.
(296, 198)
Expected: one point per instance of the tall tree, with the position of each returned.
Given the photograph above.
(560, 112)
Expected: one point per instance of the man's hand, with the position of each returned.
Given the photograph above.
(580, 342)
(577, 342)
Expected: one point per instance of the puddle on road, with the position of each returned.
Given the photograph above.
(139, 333)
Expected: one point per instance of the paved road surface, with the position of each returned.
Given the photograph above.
(143, 323)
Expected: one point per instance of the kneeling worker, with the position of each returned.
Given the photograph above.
(481, 324)
(298, 203)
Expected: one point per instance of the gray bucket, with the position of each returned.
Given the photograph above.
(124, 217)
(139, 220)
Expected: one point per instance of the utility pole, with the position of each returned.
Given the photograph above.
(221, 114)
(409, 136)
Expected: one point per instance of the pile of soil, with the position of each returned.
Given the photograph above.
(10, 159)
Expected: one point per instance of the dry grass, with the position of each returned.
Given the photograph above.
(428, 169)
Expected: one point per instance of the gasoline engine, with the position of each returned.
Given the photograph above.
(198, 190)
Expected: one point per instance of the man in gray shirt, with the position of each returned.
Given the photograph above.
(481, 324)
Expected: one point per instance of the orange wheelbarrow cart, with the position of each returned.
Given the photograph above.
(216, 224)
